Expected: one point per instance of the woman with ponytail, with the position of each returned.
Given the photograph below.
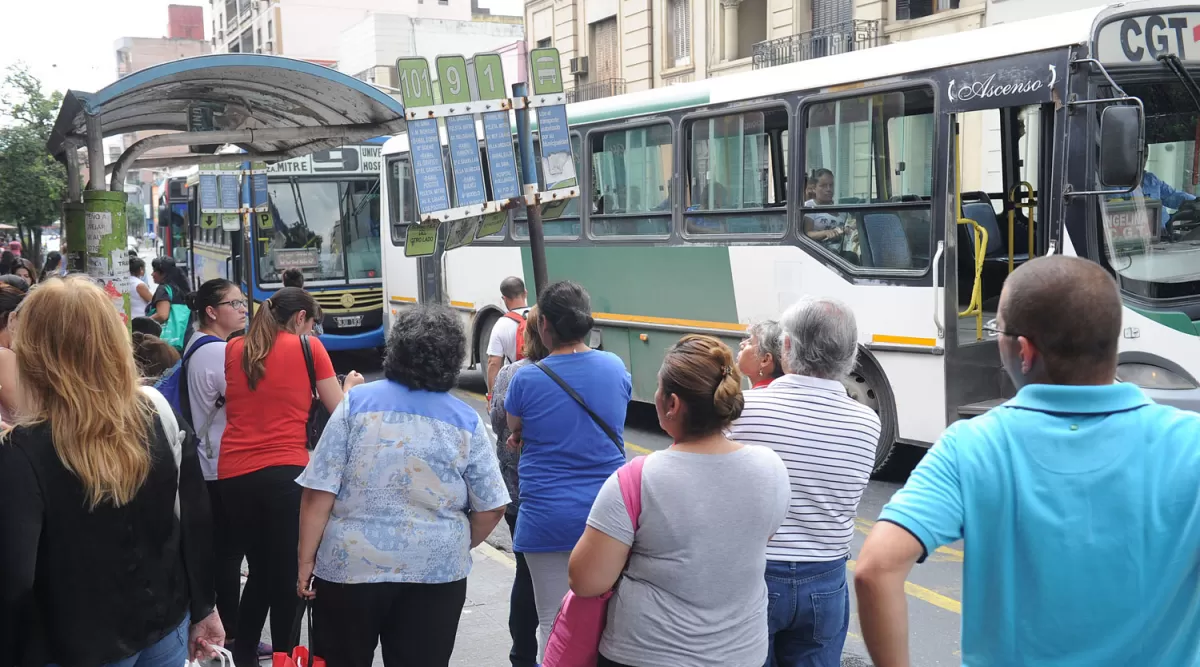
(263, 451)
(566, 453)
(691, 586)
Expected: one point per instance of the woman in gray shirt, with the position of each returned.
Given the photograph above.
(689, 583)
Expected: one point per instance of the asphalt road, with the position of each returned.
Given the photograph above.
(934, 588)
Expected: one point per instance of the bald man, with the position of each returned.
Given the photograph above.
(1077, 500)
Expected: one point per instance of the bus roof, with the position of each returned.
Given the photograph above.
(918, 55)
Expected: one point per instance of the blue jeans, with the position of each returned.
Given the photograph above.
(808, 613)
(170, 651)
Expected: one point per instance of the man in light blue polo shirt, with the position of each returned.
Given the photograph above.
(1078, 500)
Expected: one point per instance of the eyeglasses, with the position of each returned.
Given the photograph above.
(236, 305)
(996, 331)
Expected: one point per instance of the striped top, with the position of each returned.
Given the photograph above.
(827, 440)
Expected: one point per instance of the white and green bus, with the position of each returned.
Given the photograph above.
(943, 162)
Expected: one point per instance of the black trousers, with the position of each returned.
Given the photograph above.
(264, 516)
(522, 612)
(605, 662)
(415, 623)
(227, 564)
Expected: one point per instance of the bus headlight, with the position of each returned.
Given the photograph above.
(1149, 376)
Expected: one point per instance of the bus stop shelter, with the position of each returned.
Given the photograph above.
(271, 107)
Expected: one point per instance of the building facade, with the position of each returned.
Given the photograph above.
(369, 48)
(611, 47)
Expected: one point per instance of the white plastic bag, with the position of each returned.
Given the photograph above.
(223, 655)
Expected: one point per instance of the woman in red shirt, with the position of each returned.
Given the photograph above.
(263, 451)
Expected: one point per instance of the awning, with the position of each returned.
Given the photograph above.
(243, 91)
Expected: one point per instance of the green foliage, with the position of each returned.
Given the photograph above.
(135, 219)
(32, 184)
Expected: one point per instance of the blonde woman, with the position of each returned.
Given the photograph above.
(105, 541)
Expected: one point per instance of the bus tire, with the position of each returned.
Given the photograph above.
(868, 385)
(484, 335)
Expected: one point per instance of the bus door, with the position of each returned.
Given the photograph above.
(1000, 162)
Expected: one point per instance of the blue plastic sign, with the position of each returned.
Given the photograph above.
(502, 162)
(208, 192)
(464, 161)
(429, 171)
(258, 190)
(229, 191)
(558, 165)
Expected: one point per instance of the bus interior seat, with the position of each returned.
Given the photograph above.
(977, 206)
(884, 243)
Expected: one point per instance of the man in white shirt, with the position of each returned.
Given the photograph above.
(827, 440)
(503, 346)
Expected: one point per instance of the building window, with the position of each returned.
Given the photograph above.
(915, 9)
(545, 43)
(247, 42)
(444, 3)
(605, 61)
(752, 26)
(679, 33)
(230, 11)
(258, 36)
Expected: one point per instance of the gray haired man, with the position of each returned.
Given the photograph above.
(827, 440)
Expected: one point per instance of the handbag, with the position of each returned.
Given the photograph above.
(174, 331)
(575, 636)
(318, 416)
(300, 656)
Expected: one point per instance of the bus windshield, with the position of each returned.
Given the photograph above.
(1152, 235)
(327, 229)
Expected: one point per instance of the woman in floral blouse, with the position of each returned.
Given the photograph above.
(403, 484)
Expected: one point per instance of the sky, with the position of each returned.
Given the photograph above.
(68, 44)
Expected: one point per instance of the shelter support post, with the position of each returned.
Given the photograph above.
(74, 245)
(529, 178)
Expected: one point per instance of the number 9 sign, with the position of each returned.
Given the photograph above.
(452, 79)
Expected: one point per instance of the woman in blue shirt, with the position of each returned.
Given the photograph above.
(403, 484)
(565, 455)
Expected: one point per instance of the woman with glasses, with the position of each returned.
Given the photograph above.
(219, 309)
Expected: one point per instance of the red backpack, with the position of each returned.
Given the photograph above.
(520, 340)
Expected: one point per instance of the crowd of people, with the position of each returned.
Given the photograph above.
(125, 518)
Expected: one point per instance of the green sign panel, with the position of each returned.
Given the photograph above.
(461, 232)
(452, 79)
(545, 71)
(420, 241)
(492, 224)
(416, 88)
(489, 76)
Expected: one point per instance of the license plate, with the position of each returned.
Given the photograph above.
(349, 321)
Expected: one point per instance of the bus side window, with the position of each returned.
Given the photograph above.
(734, 174)
(868, 170)
(631, 181)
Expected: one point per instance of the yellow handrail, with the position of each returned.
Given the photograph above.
(1030, 206)
(981, 239)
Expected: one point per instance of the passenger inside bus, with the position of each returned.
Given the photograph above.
(836, 231)
(1154, 187)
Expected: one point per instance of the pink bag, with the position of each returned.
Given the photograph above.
(575, 637)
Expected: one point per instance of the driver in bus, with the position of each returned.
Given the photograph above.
(1154, 187)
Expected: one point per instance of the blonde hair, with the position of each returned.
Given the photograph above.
(82, 380)
(532, 346)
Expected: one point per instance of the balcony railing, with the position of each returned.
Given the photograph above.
(828, 41)
(596, 90)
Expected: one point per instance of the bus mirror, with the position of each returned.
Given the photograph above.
(1121, 147)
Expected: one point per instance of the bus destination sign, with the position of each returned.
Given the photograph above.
(1142, 39)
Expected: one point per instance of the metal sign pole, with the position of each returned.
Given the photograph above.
(529, 177)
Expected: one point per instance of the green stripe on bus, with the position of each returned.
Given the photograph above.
(577, 116)
(1172, 319)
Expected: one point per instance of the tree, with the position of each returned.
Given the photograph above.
(32, 183)
(135, 220)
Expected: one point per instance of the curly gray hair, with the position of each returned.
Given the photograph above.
(425, 348)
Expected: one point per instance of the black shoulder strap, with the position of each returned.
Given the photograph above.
(612, 435)
(308, 362)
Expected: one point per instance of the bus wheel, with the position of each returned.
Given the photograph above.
(867, 385)
(481, 344)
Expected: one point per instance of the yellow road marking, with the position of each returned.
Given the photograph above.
(628, 445)
(924, 594)
(492, 553)
(864, 526)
